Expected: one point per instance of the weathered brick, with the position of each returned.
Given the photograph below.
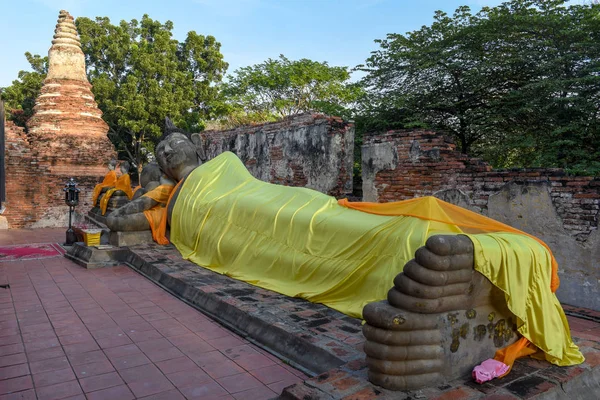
(418, 174)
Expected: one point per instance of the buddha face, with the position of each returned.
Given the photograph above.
(175, 154)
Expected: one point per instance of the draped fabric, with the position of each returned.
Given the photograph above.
(123, 184)
(501, 256)
(156, 214)
(302, 243)
(433, 209)
(160, 233)
(160, 193)
(110, 179)
(520, 267)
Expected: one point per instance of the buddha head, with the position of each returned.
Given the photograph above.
(176, 155)
(112, 164)
(124, 167)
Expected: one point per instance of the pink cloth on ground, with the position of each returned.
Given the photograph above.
(488, 370)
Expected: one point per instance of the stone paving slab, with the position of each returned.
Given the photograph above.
(69, 332)
(311, 336)
(340, 335)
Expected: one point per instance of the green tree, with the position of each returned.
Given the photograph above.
(140, 75)
(551, 119)
(20, 96)
(282, 87)
(517, 84)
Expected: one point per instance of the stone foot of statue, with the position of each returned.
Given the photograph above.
(440, 320)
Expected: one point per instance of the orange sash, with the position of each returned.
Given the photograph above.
(156, 214)
(123, 184)
(110, 179)
(161, 234)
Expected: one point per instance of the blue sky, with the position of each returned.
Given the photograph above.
(250, 31)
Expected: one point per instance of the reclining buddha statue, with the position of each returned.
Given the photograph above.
(465, 288)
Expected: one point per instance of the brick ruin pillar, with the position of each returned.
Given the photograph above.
(66, 135)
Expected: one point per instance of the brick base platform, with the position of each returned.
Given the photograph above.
(316, 338)
(311, 336)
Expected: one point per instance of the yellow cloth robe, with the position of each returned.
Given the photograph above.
(110, 179)
(302, 243)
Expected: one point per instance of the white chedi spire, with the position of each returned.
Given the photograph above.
(65, 58)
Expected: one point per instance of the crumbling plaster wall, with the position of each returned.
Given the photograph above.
(313, 151)
(562, 210)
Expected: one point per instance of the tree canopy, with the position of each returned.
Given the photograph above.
(20, 96)
(518, 84)
(282, 87)
(140, 75)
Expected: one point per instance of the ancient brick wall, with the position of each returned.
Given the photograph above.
(314, 151)
(34, 182)
(562, 210)
(20, 206)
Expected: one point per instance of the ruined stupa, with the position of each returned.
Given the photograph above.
(67, 125)
(66, 138)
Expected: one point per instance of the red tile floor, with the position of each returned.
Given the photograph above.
(71, 333)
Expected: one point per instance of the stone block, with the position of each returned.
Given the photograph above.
(446, 347)
(123, 239)
(92, 257)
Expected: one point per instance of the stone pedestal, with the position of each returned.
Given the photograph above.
(443, 347)
(123, 239)
(92, 257)
(441, 319)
